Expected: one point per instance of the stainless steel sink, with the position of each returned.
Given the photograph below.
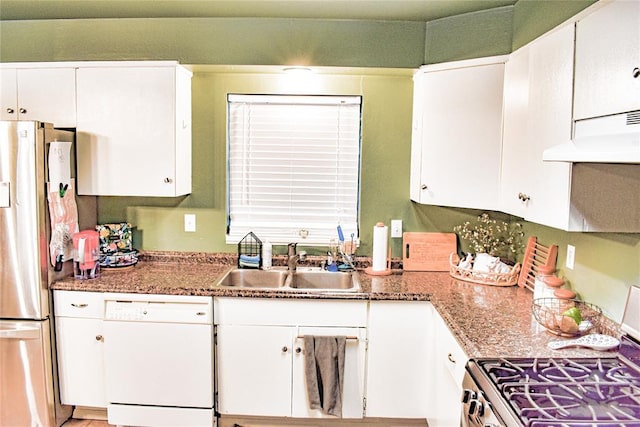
(253, 279)
(324, 280)
(281, 279)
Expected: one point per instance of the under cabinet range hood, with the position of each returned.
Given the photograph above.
(608, 139)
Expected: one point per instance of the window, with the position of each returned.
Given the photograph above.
(293, 167)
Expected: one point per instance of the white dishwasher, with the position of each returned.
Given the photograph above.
(159, 360)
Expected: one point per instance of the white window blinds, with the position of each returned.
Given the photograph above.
(293, 167)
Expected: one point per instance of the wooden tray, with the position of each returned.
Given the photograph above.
(482, 278)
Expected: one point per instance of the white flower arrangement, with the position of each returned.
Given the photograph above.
(493, 237)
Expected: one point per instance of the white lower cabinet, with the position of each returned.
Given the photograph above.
(260, 354)
(254, 369)
(448, 367)
(399, 383)
(80, 346)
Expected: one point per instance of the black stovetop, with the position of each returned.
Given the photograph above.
(571, 392)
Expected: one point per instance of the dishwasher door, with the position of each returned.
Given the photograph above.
(159, 353)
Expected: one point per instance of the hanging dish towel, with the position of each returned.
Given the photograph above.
(63, 213)
(324, 372)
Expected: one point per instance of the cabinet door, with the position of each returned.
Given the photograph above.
(254, 370)
(48, 95)
(8, 94)
(81, 361)
(127, 131)
(538, 91)
(449, 361)
(353, 382)
(515, 174)
(398, 366)
(607, 52)
(550, 106)
(44, 94)
(461, 135)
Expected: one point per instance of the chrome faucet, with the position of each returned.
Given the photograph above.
(293, 257)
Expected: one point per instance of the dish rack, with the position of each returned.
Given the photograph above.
(250, 252)
(536, 255)
(483, 278)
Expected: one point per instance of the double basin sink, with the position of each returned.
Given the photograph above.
(283, 279)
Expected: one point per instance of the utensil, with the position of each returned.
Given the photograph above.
(598, 342)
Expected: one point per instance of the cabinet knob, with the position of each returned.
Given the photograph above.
(168, 180)
(636, 73)
(10, 110)
(298, 350)
(285, 349)
(523, 197)
(99, 338)
(424, 187)
(23, 111)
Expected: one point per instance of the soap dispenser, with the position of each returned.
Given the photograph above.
(267, 255)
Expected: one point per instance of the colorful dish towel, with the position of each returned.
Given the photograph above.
(249, 261)
(63, 213)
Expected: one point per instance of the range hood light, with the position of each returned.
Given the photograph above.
(297, 70)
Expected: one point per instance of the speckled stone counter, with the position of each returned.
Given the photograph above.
(487, 321)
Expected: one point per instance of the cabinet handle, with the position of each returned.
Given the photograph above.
(424, 187)
(636, 73)
(285, 349)
(23, 111)
(99, 338)
(450, 357)
(82, 305)
(523, 197)
(168, 180)
(298, 350)
(10, 110)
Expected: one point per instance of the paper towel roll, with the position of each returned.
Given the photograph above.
(380, 241)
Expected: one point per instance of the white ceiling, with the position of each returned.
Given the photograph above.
(404, 10)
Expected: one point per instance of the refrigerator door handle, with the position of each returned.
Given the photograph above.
(20, 333)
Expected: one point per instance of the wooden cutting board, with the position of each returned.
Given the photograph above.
(427, 251)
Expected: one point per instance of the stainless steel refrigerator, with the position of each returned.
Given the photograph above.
(28, 378)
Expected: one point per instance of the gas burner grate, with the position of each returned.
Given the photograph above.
(547, 392)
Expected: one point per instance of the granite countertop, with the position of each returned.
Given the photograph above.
(487, 321)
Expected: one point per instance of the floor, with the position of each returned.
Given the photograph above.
(247, 422)
(85, 423)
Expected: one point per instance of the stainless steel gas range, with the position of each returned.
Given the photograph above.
(559, 392)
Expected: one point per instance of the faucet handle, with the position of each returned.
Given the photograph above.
(291, 248)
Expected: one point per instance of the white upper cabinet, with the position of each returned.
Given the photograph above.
(537, 115)
(134, 130)
(607, 78)
(39, 93)
(457, 133)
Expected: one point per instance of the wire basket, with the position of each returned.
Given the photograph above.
(250, 252)
(549, 313)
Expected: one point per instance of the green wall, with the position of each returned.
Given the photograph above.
(606, 263)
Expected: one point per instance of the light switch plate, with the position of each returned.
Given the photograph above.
(4, 195)
(396, 228)
(571, 256)
(189, 223)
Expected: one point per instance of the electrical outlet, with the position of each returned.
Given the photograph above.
(396, 228)
(189, 223)
(571, 256)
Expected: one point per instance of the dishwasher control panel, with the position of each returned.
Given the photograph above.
(159, 311)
